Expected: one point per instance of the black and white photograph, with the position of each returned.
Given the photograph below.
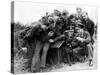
(53, 37)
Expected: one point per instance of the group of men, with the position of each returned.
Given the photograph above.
(75, 30)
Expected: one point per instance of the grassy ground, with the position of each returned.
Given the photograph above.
(77, 66)
(20, 65)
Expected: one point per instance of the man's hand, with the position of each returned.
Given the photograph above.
(80, 39)
(50, 40)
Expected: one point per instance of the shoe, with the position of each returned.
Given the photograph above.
(90, 62)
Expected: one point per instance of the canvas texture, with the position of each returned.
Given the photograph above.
(50, 37)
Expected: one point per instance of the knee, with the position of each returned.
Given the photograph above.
(45, 49)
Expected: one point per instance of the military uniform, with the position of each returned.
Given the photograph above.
(85, 39)
(89, 26)
(41, 37)
(64, 44)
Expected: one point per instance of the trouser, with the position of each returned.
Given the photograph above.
(44, 54)
(90, 51)
(31, 47)
(36, 61)
(69, 53)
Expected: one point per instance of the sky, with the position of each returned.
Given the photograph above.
(28, 12)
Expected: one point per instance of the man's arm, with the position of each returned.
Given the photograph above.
(88, 38)
(57, 38)
(32, 30)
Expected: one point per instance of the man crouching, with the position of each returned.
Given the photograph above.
(84, 37)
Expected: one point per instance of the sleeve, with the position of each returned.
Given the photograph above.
(32, 31)
(92, 28)
(87, 38)
(59, 37)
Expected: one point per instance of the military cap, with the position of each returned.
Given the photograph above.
(71, 30)
(57, 12)
(51, 19)
(81, 25)
(78, 8)
(65, 31)
(65, 12)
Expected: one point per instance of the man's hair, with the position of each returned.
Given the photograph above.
(78, 8)
(57, 12)
(65, 12)
(85, 13)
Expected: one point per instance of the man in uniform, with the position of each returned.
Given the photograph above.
(35, 33)
(66, 37)
(89, 25)
(69, 35)
(84, 37)
(65, 17)
(78, 14)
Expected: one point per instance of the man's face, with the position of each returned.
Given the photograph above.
(65, 13)
(51, 33)
(70, 33)
(79, 10)
(77, 29)
(52, 26)
(56, 12)
(85, 16)
(81, 30)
